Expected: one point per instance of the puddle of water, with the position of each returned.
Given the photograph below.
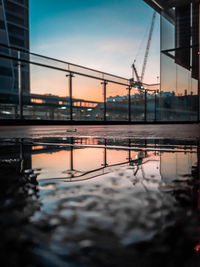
(99, 202)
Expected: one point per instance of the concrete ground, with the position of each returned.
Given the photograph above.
(172, 131)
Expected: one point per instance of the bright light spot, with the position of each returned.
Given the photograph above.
(197, 248)
(6, 112)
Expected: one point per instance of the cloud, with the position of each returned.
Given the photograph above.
(117, 45)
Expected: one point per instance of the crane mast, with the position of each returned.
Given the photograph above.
(140, 78)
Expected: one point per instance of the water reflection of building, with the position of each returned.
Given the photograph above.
(14, 31)
(179, 58)
(176, 165)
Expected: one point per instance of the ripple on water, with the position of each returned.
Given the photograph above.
(117, 209)
(114, 218)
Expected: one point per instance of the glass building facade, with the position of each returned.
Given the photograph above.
(179, 76)
(14, 31)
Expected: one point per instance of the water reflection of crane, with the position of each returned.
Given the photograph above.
(75, 175)
(136, 163)
(136, 79)
(139, 161)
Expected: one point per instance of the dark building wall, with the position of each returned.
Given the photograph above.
(17, 18)
(14, 31)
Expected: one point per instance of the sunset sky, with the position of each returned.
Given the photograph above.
(101, 34)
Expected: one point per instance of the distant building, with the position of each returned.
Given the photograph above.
(166, 94)
(117, 98)
(14, 32)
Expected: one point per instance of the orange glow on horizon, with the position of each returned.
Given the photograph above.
(37, 147)
(54, 82)
(34, 100)
(48, 81)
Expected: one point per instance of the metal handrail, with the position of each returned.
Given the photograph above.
(60, 69)
(25, 58)
(67, 63)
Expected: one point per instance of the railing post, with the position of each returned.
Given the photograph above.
(155, 118)
(129, 103)
(70, 95)
(105, 164)
(71, 154)
(20, 88)
(145, 105)
(129, 152)
(104, 96)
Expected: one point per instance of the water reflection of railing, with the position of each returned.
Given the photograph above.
(50, 89)
(155, 145)
(103, 160)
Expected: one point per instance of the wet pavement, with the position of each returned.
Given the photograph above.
(96, 201)
(172, 131)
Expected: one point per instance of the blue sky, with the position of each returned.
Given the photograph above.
(101, 34)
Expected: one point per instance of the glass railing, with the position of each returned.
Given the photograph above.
(35, 87)
(137, 105)
(117, 102)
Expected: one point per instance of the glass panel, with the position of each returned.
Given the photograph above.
(168, 88)
(48, 61)
(137, 105)
(48, 97)
(115, 156)
(186, 96)
(88, 98)
(48, 156)
(8, 111)
(178, 98)
(116, 102)
(179, 92)
(151, 106)
(167, 33)
(9, 88)
(85, 71)
(88, 159)
(116, 79)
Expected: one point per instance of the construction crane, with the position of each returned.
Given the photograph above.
(139, 79)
